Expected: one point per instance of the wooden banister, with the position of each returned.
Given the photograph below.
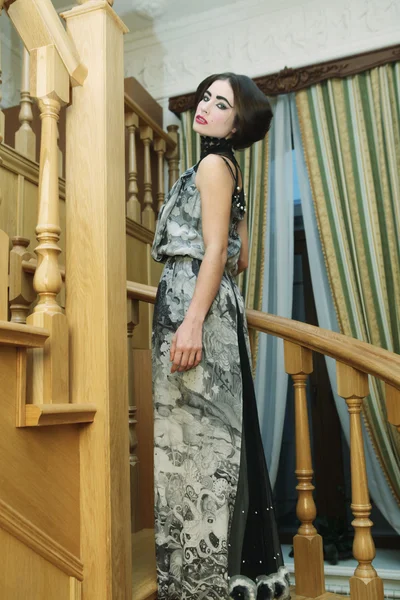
(25, 139)
(355, 361)
(50, 379)
(308, 551)
(362, 356)
(365, 584)
(145, 120)
(47, 31)
(2, 119)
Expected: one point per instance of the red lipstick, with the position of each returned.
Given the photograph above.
(201, 120)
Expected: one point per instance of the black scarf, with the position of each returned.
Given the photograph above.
(214, 145)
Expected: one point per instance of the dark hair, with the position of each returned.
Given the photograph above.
(253, 110)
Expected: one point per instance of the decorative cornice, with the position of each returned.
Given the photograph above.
(33, 537)
(293, 80)
(139, 232)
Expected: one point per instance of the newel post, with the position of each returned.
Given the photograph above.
(96, 296)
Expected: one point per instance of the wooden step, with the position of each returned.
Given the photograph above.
(325, 596)
(144, 581)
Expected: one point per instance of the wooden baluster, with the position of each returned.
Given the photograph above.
(148, 217)
(308, 550)
(2, 117)
(160, 148)
(173, 156)
(132, 321)
(365, 584)
(50, 365)
(60, 155)
(393, 406)
(21, 292)
(25, 138)
(133, 208)
(4, 252)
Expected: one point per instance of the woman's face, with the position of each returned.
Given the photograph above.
(215, 113)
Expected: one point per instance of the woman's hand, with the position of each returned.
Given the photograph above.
(186, 346)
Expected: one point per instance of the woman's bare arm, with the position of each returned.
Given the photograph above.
(214, 182)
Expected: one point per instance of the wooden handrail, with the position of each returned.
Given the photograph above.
(145, 119)
(22, 336)
(362, 356)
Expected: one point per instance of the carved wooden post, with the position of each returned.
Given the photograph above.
(160, 147)
(173, 156)
(21, 293)
(25, 138)
(308, 551)
(4, 253)
(2, 118)
(365, 584)
(148, 217)
(133, 207)
(393, 406)
(96, 296)
(50, 84)
(132, 321)
(60, 155)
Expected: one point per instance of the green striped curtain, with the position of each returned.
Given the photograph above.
(351, 137)
(254, 164)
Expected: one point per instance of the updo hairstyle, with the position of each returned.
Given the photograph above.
(253, 110)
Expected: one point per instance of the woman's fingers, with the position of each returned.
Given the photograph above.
(172, 349)
(198, 358)
(191, 360)
(176, 361)
(184, 360)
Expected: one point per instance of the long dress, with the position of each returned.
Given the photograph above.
(215, 529)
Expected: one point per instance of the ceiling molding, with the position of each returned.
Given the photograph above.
(293, 80)
(256, 38)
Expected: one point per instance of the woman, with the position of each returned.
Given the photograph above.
(216, 536)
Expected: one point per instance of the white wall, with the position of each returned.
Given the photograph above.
(11, 62)
(256, 37)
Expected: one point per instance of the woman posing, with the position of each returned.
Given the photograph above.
(216, 535)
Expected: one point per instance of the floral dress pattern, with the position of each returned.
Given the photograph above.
(198, 424)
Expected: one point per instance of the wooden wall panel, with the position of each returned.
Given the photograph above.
(19, 203)
(30, 212)
(39, 467)
(144, 430)
(8, 194)
(26, 575)
(136, 267)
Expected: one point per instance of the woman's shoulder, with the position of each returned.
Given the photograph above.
(220, 167)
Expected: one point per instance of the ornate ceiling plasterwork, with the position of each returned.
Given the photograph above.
(257, 40)
(149, 8)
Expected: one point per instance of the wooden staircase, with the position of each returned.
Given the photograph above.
(325, 596)
(144, 584)
(355, 361)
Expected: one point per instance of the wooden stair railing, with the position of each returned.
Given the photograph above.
(158, 146)
(55, 66)
(156, 142)
(355, 361)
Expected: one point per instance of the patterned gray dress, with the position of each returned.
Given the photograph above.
(214, 525)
